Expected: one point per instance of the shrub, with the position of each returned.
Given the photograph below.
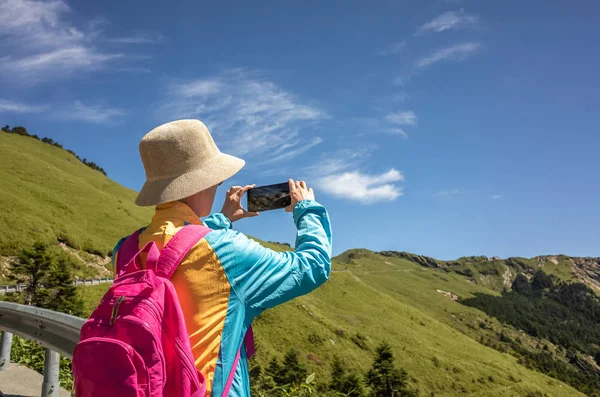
(384, 378)
(315, 338)
(360, 340)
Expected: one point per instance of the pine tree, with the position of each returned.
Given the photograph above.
(353, 386)
(338, 374)
(31, 268)
(293, 372)
(384, 379)
(64, 296)
(346, 384)
(274, 370)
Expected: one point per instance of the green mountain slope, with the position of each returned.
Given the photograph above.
(47, 194)
(447, 348)
(498, 274)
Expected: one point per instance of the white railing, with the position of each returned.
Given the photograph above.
(4, 289)
(57, 332)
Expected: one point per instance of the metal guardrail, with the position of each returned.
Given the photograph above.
(4, 289)
(57, 332)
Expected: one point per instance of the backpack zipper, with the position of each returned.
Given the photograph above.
(115, 309)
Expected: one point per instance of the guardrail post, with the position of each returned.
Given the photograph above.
(51, 385)
(5, 347)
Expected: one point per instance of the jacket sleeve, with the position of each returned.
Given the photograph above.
(217, 221)
(265, 278)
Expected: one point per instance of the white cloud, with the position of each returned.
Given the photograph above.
(396, 131)
(394, 48)
(16, 107)
(363, 187)
(97, 114)
(139, 39)
(200, 88)
(456, 53)
(496, 196)
(297, 149)
(402, 118)
(76, 111)
(45, 44)
(448, 20)
(249, 115)
(334, 162)
(64, 59)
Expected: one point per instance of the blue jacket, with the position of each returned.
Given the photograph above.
(228, 279)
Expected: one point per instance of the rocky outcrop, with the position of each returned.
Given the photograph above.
(420, 259)
(587, 270)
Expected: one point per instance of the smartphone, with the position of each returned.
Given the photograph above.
(270, 197)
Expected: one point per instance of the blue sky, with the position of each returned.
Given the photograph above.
(444, 128)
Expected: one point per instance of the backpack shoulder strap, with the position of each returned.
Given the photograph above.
(178, 247)
(127, 250)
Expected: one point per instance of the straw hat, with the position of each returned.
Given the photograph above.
(181, 159)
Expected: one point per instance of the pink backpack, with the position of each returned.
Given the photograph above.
(136, 343)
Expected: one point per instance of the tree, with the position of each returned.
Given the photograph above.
(347, 384)
(521, 285)
(48, 279)
(31, 268)
(61, 289)
(20, 131)
(6, 128)
(338, 373)
(541, 281)
(353, 386)
(274, 369)
(293, 372)
(384, 379)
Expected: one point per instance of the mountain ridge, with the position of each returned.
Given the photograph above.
(566, 268)
(447, 348)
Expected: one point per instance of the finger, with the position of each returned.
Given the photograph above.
(247, 187)
(298, 185)
(303, 184)
(292, 185)
(251, 214)
(289, 208)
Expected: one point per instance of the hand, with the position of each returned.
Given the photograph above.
(299, 192)
(232, 208)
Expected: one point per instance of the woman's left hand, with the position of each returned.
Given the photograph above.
(232, 208)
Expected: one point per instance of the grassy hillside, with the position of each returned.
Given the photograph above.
(447, 348)
(47, 194)
(498, 274)
(371, 298)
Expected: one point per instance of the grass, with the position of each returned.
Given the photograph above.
(49, 195)
(397, 301)
(371, 298)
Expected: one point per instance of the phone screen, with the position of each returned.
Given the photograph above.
(270, 197)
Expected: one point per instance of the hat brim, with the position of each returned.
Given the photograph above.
(165, 190)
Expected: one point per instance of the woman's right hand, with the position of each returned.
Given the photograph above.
(299, 192)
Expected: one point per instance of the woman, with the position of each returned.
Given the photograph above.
(227, 279)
